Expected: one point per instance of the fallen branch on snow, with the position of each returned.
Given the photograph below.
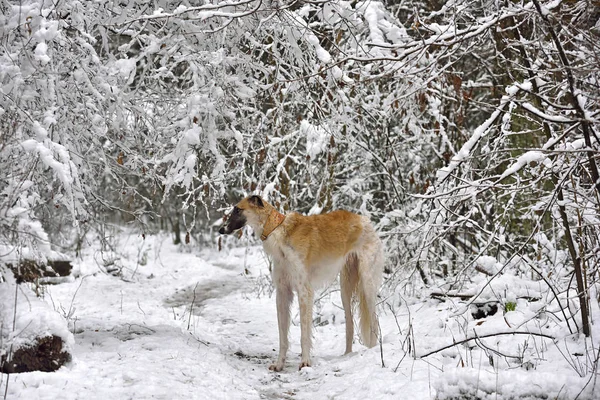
(465, 296)
(485, 336)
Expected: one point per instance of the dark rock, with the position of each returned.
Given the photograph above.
(61, 267)
(47, 355)
(30, 270)
(482, 310)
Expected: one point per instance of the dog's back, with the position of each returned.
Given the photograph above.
(325, 236)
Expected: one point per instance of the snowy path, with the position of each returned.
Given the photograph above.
(137, 339)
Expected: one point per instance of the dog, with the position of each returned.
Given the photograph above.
(309, 252)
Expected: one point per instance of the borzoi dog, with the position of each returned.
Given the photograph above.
(309, 252)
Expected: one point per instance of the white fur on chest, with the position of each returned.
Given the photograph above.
(288, 269)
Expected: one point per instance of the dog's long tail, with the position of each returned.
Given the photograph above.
(370, 272)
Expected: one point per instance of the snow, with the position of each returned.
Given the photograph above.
(322, 54)
(57, 158)
(489, 264)
(180, 9)
(512, 90)
(41, 53)
(183, 158)
(489, 385)
(528, 157)
(62, 169)
(126, 68)
(188, 322)
(48, 30)
(317, 138)
(553, 118)
(373, 13)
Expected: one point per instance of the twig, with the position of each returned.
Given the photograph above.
(71, 310)
(11, 345)
(6, 387)
(593, 376)
(192, 306)
(380, 345)
(395, 317)
(485, 336)
(199, 340)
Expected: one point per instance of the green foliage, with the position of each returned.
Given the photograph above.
(510, 306)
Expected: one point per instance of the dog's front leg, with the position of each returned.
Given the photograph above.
(283, 298)
(305, 298)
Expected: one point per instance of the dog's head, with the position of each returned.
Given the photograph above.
(250, 211)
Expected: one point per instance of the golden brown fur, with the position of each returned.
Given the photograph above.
(310, 251)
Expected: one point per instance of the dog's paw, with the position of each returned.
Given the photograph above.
(276, 367)
(303, 364)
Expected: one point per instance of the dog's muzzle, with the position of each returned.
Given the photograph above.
(235, 221)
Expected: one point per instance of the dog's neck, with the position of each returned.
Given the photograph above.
(273, 221)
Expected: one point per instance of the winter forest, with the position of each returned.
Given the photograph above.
(468, 131)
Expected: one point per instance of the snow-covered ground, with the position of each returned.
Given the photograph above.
(185, 322)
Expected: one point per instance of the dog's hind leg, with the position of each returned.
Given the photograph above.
(284, 297)
(305, 299)
(348, 281)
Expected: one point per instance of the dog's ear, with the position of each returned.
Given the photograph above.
(256, 201)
